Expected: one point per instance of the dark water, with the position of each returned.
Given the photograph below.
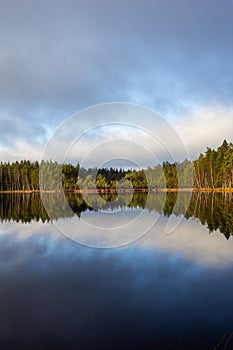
(167, 289)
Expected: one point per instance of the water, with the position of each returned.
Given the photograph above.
(158, 290)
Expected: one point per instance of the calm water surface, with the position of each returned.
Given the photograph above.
(167, 289)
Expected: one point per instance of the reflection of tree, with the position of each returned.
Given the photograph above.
(212, 209)
(139, 200)
(77, 203)
(56, 205)
(169, 203)
(22, 207)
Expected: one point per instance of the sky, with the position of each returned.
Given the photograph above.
(60, 57)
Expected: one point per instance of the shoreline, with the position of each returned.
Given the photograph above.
(112, 191)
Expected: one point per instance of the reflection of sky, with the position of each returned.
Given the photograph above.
(157, 293)
(146, 230)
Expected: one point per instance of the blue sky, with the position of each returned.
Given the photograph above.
(59, 57)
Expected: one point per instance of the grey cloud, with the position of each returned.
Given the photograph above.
(59, 57)
(14, 129)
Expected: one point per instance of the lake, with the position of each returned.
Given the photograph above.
(126, 271)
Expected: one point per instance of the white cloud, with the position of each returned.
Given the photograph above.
(205, 127)
(88, 53)
(20, 150)
(115, 130)
(201, 128)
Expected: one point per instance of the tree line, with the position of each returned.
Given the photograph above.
(213, 169)
(214, 210)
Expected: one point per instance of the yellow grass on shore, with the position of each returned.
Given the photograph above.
(195, 189)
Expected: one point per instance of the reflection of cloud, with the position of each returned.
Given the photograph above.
(26, 230)
(190, 239)
(111, 229)
(193, 241)
(141, 295)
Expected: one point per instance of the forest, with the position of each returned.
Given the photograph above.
(213, 169)
(214, 210)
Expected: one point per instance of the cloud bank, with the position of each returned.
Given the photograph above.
(57, 58)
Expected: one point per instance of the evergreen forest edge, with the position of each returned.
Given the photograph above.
(211, 170)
